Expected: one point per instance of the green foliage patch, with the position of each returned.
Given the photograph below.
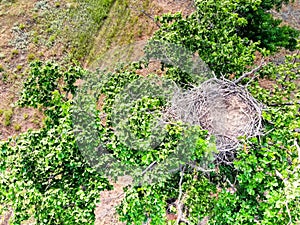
(43, 173)
(222, 33)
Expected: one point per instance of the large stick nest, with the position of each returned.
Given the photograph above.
(223, 108)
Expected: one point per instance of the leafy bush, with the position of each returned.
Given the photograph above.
(262, 27)
(43, 173)
(222, 33)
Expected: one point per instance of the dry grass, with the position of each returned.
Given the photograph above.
(130, 23)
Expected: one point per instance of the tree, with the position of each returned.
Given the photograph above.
(260, 187)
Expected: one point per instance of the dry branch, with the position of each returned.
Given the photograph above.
(254, 70)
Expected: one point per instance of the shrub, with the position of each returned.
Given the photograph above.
(7, 115)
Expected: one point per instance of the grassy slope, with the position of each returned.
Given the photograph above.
(63, 31)
(130, 22)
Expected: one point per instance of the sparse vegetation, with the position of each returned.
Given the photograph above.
(14, 52)
(19, 67)
(17, 127)
(6, 117)
(4, 77)
(31, 57)
(25, 116)
(22, 26)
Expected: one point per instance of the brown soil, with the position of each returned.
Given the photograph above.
(4, 219)
(105, 212)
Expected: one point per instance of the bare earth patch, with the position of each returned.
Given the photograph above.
(105, 212)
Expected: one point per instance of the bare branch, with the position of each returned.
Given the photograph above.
(289, 212)
(179, 204)
(263, 63)
(298, 149)
(198, 168)
(278, 174)
(149, 167)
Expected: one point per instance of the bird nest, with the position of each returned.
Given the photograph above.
(223, 108)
